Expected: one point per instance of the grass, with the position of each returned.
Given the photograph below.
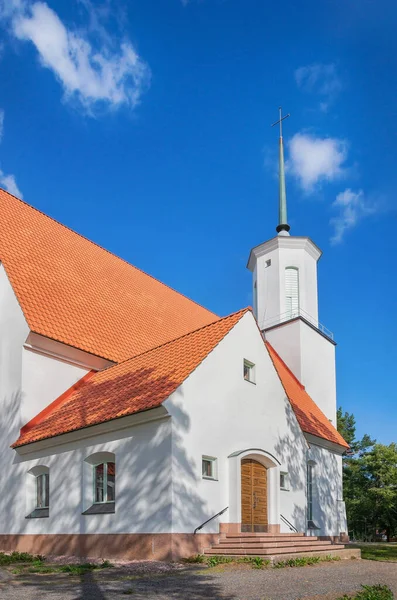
(378, 551)
(28, 563)
(257, 562)
(372, 592)
(18, 557)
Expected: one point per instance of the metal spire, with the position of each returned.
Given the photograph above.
(282, 208)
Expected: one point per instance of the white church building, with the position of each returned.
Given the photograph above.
(136, 423)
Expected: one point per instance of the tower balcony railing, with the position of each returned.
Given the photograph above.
(289, 315)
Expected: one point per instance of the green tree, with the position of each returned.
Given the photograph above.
(380, 471)
(369, 480)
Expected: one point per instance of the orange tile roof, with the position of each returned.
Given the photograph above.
(138, 384)
(310, 418)
(74, 291)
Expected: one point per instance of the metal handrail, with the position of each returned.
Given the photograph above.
(287, 316)
(210, 519)
(289, 524)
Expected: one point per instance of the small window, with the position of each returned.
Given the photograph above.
(209, 467)
(249, 371)
(104, 482)
(268, 262)
(43, 490)
(284, 481)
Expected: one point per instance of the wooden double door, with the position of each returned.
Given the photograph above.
(253, 496)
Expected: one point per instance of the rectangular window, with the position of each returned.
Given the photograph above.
(209, 467)
(284, 481)
(249, 371)
(310, 492)
(43, 490)
(104, 482)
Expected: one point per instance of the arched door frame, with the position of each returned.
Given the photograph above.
(272, 465)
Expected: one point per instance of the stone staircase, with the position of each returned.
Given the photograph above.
(281, 546)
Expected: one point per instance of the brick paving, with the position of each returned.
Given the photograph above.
(322, 582)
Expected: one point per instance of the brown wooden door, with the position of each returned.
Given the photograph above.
(253, 496)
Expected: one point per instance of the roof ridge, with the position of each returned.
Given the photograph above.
(286, 366)
(102, 248)
(218, 320)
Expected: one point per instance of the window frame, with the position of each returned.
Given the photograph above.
(309, 486)
(214, 461)
(286, 486)
(105, 482)
(251, 371)
(44, 478)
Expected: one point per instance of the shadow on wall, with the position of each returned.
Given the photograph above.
(291, 450)
(144, 487)
(326, 490)
(9, 430)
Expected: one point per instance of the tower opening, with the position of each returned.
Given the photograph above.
(291, 292)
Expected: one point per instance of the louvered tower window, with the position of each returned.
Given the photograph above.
(291, 292)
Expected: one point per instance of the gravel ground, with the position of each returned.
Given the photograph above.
(227, 583)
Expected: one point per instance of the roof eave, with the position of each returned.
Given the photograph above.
(325, 443)
(117, 424)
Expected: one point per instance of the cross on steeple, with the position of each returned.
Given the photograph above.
(281, 119)
(282, 227)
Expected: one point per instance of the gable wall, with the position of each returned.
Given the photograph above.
(216, 413)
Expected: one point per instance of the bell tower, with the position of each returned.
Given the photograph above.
(285, 301)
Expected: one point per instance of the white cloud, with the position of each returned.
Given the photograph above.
(313, 160)
(352, 207)
(8, 182)
(320, 79)
(91, 72)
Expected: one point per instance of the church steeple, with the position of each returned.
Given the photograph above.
(282, 227)
(284, 278)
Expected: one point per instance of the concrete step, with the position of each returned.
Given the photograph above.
(252, 546)
(325, 549)
(259, 534)
(265, 540)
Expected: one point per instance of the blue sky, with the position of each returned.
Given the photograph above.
(146, 127)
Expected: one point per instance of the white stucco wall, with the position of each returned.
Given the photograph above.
(44, 379)
(311, 358)
(143, 484)
(13, 332)
(328, 506)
